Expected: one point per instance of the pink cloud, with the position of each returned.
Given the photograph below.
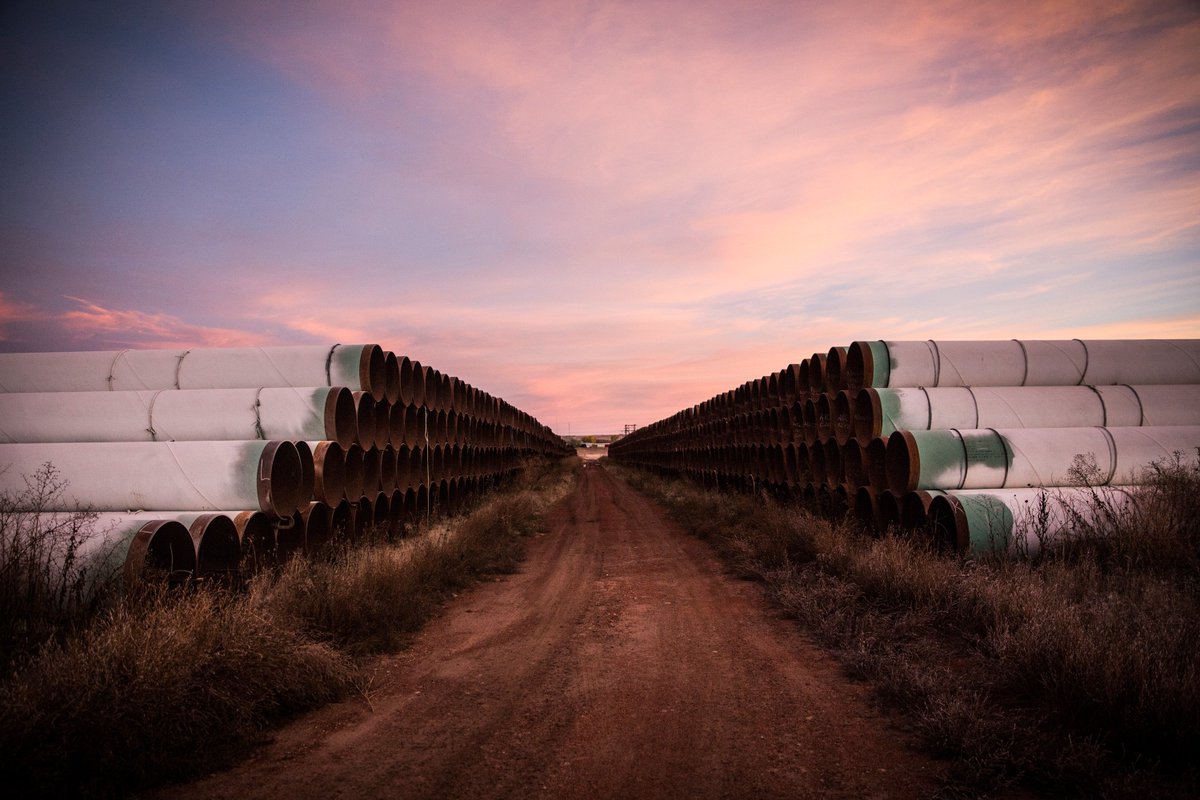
(141, 329)
(16, 311)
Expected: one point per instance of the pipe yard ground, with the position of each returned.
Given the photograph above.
(621, 661)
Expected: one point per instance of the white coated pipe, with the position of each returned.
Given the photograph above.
(196, 476)
(312, 413)
(1023, 521)
(1021, 457)
(1072, 362)
(359, 367)
(879, 412)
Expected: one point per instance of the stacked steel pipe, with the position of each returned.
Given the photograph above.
(206, 461)
(961, 439)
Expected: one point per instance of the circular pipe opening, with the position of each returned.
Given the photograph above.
(833, 462)
(329, 484)
(903, 462)
(341, 521)
(341, 417)
(816, 372)
(370, 471)
(914, 509)
(307, 472)
(395, 514)
(280, 478)
(877, 464)
(372, 371)
(824, 408)
(354, 473)
(256, 536)
(948, 523)
(289, 536)
(865, 508)
(162, 549)
(391, 375)
(317, 521)
(406, 380)
(835, 369)
(396, 414)
(853, 464)
(859, 364)
(383, 424)
(868, 414)
(364, 405)
(387, 469)
(418, 384)
(218, 549)
(843, 416)
(380, 508)
(888, 503)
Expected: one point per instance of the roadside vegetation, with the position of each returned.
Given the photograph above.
(1074, 675)
(105, 692)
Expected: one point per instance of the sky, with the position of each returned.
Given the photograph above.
(602, 212)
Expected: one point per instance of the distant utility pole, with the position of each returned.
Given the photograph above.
(629, 429)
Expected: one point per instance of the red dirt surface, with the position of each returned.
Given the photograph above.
(620, 662)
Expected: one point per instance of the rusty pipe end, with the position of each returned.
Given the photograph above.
(835, 369)
(256, 538)
(316, 518)
(280, 478)
(868, 414)
(341, 418)
(948, 521)
(329, 461)
(877, 463)
(372, 371)
(307, 471)
(903, 462)
(161, 547)
(218, 549)
(391, 377)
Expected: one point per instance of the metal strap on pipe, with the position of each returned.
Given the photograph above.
(1141, 408)
(112, 368)
(962, 473)
(258, 428)
(1112, 455)
(1008, 454)
(150, 416)
(1103, 405)
(183, 472)
(937, 361)
(1024, 369)
(329, 365)
(1086, 360)
(975, 404)
(179, 367)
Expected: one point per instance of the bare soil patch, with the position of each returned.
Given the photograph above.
(621, 661)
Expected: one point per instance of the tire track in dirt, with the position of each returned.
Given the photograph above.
(620, 662)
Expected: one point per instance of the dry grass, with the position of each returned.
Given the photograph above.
(47, 587)
(1077, 675)
(166, 685)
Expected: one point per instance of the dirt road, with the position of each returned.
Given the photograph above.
(621, 662)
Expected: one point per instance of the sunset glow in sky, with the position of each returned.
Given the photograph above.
(600, 211)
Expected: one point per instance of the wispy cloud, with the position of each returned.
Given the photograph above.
(133, 328)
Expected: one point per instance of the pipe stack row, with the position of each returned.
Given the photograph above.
(960, 439)
(203, 461)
